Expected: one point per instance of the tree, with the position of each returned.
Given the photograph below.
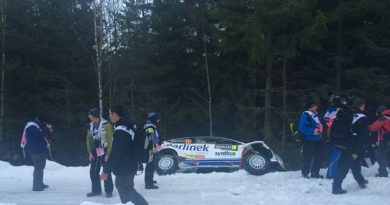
(2, 66)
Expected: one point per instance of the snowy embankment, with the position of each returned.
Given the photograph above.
(68, 186)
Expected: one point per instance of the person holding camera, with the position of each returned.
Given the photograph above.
(310, 125)
(34, 141)
(99, 143)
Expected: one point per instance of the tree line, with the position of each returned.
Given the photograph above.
(241, 69)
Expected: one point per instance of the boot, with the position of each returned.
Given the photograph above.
(151, 186)
(336, 189)
(92, 194)
(363, 184)
(317, 176)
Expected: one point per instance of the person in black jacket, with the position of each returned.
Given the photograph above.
(352, 148)
(121, 160)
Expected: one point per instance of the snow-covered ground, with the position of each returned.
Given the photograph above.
(68, 186)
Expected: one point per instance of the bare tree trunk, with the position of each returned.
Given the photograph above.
(98, 29)
(208, 83)
(2, 101)
(132, 95)
(339, 69)
(284, 79)
(267, 98)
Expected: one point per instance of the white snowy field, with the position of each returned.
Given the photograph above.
(68, 186)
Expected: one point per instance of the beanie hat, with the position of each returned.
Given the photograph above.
(94, 112)
(380, 109)
(310, 104)
(153, 117)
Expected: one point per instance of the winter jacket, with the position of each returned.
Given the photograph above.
(122, 160)
(36, 138)
(381, 125)
(102, 139)
(360, 133)
(308, 124)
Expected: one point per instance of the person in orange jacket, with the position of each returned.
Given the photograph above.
(382, 126)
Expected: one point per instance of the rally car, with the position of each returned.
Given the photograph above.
(216, 152)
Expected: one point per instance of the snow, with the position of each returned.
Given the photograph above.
(68, 186)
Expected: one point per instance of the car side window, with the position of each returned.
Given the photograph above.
(204, 140)
(227, 142)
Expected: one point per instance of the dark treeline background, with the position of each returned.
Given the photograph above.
(252, 64)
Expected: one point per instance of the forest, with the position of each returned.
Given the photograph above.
(242, 69)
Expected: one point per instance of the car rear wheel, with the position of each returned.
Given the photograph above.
(166, 164)
(256, 163)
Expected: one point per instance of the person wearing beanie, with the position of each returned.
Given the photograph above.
(99, 143)
(122, 161)
(352, 147)
(382, 126)
(153, 145)
(310, 126)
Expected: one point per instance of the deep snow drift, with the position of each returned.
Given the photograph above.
(68, 186)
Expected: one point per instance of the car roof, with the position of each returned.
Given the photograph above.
(200, 137)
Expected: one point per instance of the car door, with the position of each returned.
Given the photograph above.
(228, 152)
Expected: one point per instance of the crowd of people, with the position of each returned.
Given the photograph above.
(110, 145)
(348, 136)
(344, 132)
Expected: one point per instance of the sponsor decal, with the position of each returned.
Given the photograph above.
(196, 156)
(225, 154)
(188, 141)
(190, 147)
(227, 147)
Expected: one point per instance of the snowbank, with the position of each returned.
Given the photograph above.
(68, 186)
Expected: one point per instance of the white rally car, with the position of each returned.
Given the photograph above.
(216, 152)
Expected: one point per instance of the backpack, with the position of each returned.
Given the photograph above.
(294, 128)
(341, 128)
(140, 150)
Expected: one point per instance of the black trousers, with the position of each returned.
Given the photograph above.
(149, 171)
(312, 157)
(347, 163)
(39, 161)
(125, 186)
(382, 154)
(94, 173)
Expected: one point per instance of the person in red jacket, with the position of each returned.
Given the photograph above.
(382, 126)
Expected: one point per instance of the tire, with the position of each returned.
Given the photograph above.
(256, 163)
(166, 164)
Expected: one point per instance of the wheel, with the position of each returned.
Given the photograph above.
(256, 163)
(166, 164)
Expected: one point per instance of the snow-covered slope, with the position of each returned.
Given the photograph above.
(68, 186)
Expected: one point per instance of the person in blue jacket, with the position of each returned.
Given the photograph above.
(310, 126)
(36, 144)
(153, 145)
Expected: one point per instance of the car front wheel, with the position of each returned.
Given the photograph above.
(166, 164)
(256, 163)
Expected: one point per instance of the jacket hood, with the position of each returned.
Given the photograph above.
(386, 112)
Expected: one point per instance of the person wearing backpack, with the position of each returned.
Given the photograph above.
(34, 141)
(310, 126)
(99, 142)
(122, 160)
(153, 145)
(382, 126)
(352, 145)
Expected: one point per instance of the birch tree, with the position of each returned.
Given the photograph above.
(98, 31)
